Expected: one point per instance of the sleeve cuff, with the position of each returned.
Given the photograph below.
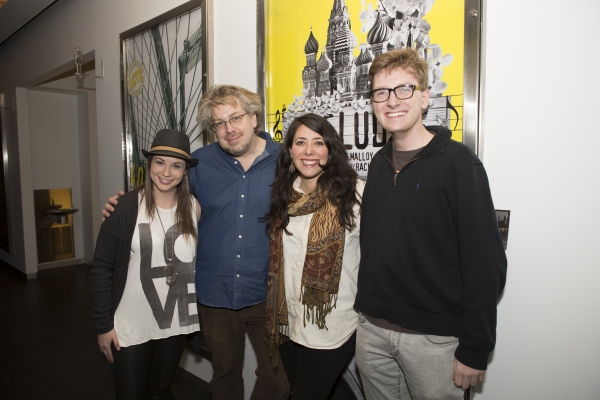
(472, 358)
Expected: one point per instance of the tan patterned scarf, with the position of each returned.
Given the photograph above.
(321, 271)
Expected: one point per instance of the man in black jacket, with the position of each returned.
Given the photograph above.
(433, 262)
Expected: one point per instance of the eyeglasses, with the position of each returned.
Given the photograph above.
(402, 92)
(233, 121)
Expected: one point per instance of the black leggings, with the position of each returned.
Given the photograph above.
(146, 371)
(312, 372)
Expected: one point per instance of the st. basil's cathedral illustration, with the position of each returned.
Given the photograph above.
(336, 86)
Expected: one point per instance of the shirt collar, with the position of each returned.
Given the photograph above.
(296, 185)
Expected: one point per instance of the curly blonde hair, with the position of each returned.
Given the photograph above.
(230, 95)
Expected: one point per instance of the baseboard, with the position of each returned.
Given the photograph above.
(61, 263)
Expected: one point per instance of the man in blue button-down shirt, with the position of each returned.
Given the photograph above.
(232, 183)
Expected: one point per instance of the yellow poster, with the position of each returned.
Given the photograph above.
(318, 53)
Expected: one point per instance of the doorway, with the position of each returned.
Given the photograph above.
(59, 123)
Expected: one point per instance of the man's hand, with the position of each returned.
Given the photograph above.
(112, 201)
(105, 340)
(465, 376)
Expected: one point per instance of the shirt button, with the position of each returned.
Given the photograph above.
(240, 236)
(244, 176)
(238, 256)
(242, 196)
(235, 162)
(241, 215)
(238, 275)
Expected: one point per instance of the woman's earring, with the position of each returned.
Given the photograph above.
(292, 168)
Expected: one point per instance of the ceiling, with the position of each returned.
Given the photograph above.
(15, 14)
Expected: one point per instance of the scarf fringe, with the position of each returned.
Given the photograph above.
(321, 271)
(276, 339)
(317, 305)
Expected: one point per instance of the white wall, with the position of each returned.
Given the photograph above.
(540, 150)
(54, 140)
(540, 145)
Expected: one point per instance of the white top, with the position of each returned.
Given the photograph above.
(149, 308)
(342, 320)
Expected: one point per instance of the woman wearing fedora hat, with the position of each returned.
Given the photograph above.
(142, 276)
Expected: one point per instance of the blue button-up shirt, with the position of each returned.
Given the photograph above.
(232, 261)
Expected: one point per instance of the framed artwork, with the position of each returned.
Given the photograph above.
(316, 55)
(503, 217)
(165, 66)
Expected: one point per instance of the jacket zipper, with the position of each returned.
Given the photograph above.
(399, 170)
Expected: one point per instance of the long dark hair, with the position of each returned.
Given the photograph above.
(338, 179)
(183, 213)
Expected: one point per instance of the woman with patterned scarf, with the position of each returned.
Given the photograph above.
(314, 228)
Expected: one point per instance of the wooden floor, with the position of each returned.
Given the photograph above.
(48, 349)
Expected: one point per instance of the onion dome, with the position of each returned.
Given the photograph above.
(345, 39)
(311, 46)
(380, 32)
(324, 63)
(365, 57)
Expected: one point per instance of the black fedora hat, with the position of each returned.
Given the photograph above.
(171, 143)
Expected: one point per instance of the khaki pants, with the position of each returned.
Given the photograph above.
(405, 366)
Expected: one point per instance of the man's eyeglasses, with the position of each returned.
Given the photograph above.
(233, 121)
(402, 92)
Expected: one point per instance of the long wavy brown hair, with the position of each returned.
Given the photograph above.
(338, 179)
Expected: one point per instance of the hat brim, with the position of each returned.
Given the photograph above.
(192, 162)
